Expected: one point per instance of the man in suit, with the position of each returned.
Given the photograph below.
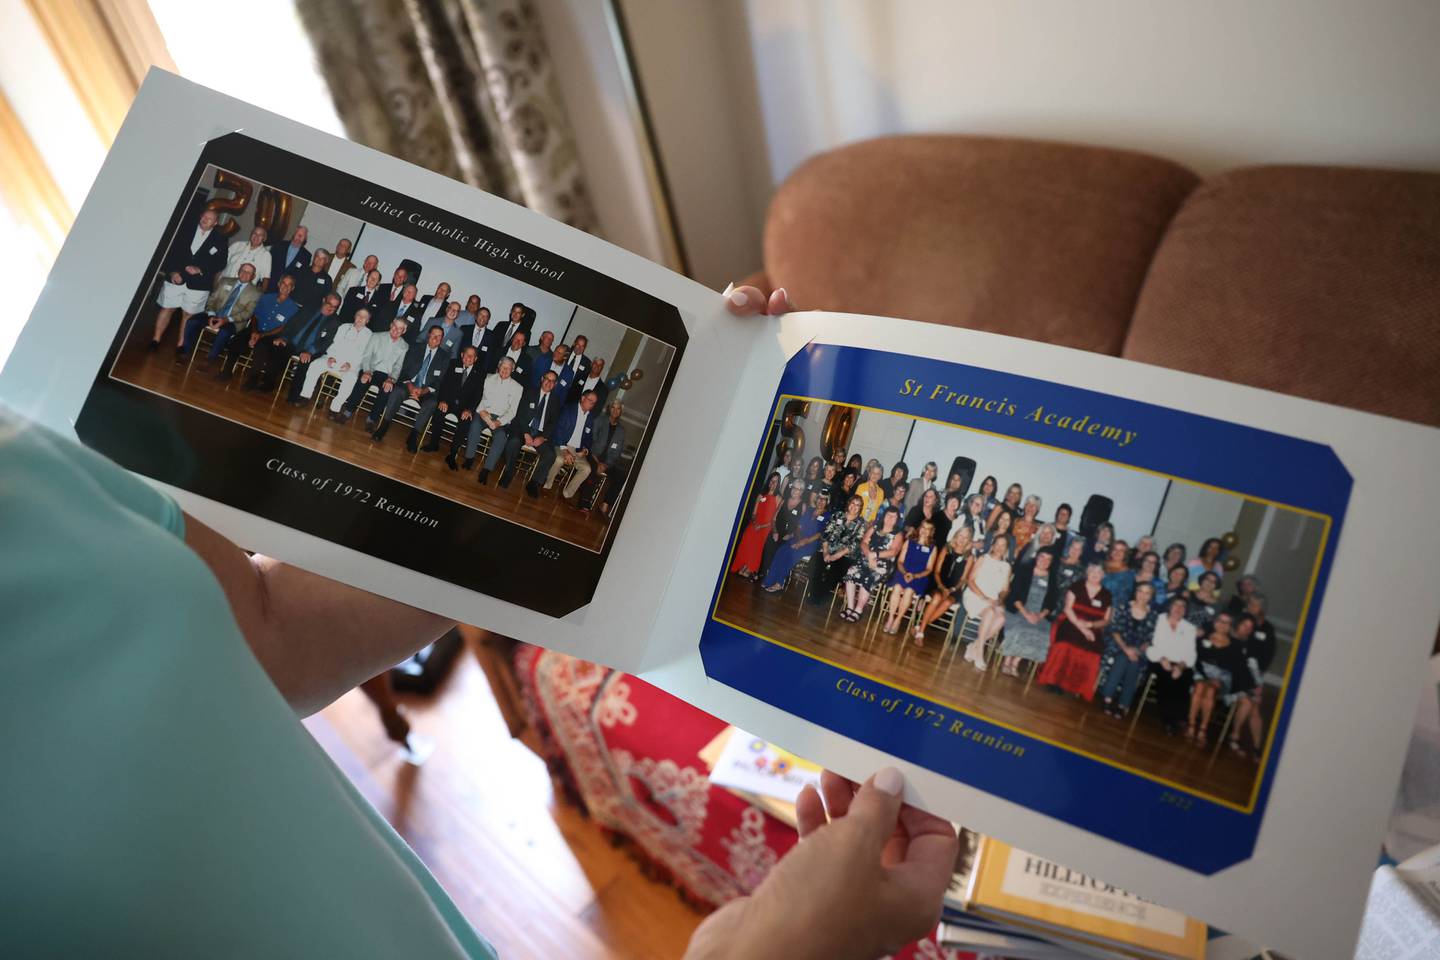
(419, 380)
(532, 427)
(289, 257)
(408, 310)
(340, 262)
(365, 296)
(227, 312)
(605, 455)
(475, 332)
(255, 253)
(449, 325)
(521, 320)
(197, 254)
(579, 363)
(310, 338)
(350, 279)
(344, 356)
(537, 358)
(314, 285)
(594, 382)
(380, 364)
(564, 373)
(573, 441)
(432, 306)
(458, 394)
(499, 401)
(515, 352)
(272, 312)
(390, 292)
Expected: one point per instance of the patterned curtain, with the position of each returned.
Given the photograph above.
(461, 87)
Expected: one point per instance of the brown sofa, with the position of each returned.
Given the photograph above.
(1323, 282)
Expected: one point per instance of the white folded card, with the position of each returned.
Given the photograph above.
(865, 540)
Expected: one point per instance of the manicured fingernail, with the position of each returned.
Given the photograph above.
(728, 288)
(739, 298)
(785, 299)
(889, 780)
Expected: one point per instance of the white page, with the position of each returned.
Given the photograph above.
(1333, 789)
(94, 279)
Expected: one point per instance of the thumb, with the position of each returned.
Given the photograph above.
(876, 809)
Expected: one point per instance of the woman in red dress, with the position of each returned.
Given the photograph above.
(1074, 660)
(752, 544)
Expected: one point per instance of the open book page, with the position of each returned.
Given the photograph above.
(1401, 922)
(356, 365)
(198, 330)
(1124, 508)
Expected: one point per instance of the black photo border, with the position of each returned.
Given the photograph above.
(245, 468)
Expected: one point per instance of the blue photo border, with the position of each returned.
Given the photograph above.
(1168, 821)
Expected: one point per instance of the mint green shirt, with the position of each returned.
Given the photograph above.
(158, 797)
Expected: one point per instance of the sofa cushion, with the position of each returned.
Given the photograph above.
(1322, 282)
(1042, 240)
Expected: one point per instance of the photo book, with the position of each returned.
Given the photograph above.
(1163, 629)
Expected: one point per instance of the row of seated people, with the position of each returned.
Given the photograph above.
(541, 398)
(1092, 613)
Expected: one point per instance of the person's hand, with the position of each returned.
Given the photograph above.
(176, 278)
(443, 406)
(750, 301)
(860, 885)
(364, 378)
(305, 357)
(1132, 655)
(465, 414)
(193, 271)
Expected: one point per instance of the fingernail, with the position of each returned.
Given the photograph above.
(739, 298)
(728, 288)
(889, 780)
(785, 298)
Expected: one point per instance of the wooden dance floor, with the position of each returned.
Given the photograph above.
(263, 411)
(1061, 719)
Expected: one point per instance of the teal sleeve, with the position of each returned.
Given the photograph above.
(160, 798)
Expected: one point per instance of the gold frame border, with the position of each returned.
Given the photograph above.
(1300, 624)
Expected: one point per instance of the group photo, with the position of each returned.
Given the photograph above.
(332, 332)
(1142, 620)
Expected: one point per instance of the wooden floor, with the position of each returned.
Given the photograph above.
(531, 874)
(1061, 719)
(314, 430)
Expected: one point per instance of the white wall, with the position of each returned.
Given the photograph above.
(326, 228)
(1193, 514)
(604, 335)
(1056, 477)
(1211, 85)
(878, 435)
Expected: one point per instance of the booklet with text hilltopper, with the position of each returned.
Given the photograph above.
(1163, 629)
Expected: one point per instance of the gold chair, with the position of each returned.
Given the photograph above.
(285, 376)
(201, 343)
(526, 463)
(327, 388)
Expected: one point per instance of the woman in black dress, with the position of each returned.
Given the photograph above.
(1218, 662)
(839, 545)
